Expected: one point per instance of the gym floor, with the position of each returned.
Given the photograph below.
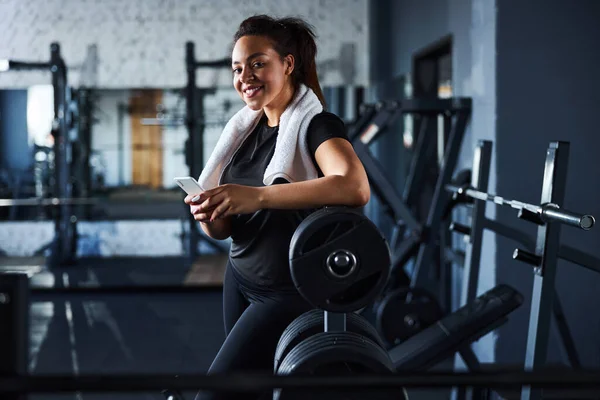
(126, 334)
(115, 334)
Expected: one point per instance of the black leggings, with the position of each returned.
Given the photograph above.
(254, 320)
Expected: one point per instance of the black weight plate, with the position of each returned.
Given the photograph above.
(343, 353)
(405, 312)
(313, 322)
(330, 231)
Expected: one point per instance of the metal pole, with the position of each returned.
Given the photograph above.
(546, 249)
(480, 179)
(194, 146)
(85, 138)
(63, 250)
(438, 202)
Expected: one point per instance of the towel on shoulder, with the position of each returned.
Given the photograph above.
(291, 160)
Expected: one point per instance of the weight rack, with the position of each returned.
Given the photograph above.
(549, 217)
(63, 247)
(416, 238)
(194, 146)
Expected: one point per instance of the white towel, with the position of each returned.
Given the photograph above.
(291, 160)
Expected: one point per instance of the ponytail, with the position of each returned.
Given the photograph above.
(289, 36)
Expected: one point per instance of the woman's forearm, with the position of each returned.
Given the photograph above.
(329, 190)
(219, 229)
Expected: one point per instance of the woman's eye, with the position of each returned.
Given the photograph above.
(236, 71)
(257, 64)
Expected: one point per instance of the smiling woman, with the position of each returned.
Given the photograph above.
(277, 160)
(272, 51)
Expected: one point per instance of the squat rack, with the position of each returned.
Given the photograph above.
(194, 146)
(63, 247)
(417, 238)
(546, 251)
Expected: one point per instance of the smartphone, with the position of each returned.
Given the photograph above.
(189, 185)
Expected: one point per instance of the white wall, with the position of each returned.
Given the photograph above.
(141, 43)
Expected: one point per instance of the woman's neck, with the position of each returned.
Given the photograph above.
(275, 109)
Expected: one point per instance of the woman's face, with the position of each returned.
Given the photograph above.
(259, 73)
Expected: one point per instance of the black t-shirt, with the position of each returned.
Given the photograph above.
(260, 241)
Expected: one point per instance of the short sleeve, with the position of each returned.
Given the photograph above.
(324, 126)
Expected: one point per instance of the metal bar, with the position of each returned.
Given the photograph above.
(552, 213)
(565, 333)
(482, 160)
(48, 202)
(419, 161)
(548, 212)
(7, 65)
(509, 232)
(580, 258)
(40, 294)
(194, 143)
(445, 270)
(548, 237)
(85, 138)
(383, 188)
(334, 322)
(566, 253)
(470, 359)
(439, 200)
(64, 246)
(407, 249)
(435, 105)
(255, 382)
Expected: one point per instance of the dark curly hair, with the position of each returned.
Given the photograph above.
(289, 36)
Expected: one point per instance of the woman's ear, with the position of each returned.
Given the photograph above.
(289, 63)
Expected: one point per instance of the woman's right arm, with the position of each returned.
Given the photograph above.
(219, 229)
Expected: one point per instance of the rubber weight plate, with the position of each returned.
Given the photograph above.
(405, 312)
(339, 261)
(343, 353)
(312, 322)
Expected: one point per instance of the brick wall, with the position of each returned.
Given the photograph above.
(141, 43)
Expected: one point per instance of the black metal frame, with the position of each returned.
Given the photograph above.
(81, 103)
(63, 247)
(587, 382)
(545, 301)
(416, 238)
(195, 141)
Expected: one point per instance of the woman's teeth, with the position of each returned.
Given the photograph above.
(253, 91)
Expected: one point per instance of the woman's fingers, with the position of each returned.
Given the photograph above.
(195, 198)
(202, 217)
(220, 211)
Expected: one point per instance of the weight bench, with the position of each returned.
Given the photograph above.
(456, 331)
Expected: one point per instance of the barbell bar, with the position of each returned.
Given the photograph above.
(48, 201)
(545, 212)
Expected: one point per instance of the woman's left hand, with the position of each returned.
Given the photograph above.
(230, 199)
